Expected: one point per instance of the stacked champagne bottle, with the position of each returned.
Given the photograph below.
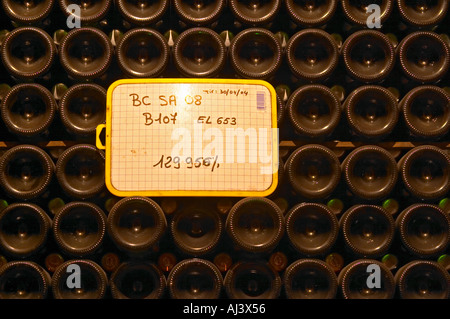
(364, 119)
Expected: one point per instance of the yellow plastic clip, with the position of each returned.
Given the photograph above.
(98, 142)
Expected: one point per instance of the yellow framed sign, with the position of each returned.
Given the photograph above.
(190, 137)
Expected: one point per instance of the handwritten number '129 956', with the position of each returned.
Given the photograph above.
(167, 161)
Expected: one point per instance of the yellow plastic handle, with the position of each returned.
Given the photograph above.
(98, 142)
